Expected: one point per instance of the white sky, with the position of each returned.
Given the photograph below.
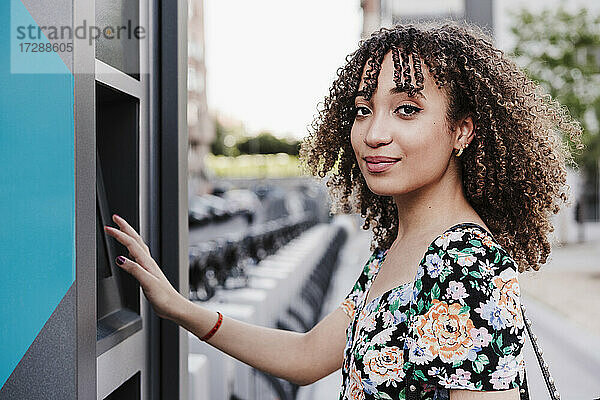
(270, 62)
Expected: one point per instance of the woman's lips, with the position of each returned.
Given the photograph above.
(380, 164)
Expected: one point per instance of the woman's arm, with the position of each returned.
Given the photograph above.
(302, 358)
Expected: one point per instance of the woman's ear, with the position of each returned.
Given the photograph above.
(464, 132)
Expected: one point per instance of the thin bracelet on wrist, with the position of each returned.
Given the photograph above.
(214, 328)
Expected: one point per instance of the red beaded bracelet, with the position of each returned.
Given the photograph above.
(214, 329)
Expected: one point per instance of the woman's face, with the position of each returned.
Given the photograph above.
(411, 133)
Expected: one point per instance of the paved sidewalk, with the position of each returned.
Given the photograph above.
(569, 284)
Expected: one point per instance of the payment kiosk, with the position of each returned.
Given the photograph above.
(92, 126)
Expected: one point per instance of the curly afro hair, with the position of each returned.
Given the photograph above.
(514, 171)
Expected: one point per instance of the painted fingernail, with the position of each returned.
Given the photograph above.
(120, 260)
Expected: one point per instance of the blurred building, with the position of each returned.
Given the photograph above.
(378, 13)
(201, 129)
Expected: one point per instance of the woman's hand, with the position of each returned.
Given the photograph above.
(308, 356)
(165, 300)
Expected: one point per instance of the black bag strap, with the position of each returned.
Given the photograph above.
(554, 395)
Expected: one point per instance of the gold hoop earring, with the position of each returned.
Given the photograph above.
(458, 154)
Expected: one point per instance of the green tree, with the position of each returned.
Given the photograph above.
(561, 50)
(217, 147)
(266, 143)
(226, 139)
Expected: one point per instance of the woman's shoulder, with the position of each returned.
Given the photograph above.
(469, 244)
(466, 251)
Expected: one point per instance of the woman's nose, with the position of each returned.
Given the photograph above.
(378, 133)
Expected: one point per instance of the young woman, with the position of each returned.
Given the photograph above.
(455, 160)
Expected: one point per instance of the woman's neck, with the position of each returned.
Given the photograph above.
(433, 208)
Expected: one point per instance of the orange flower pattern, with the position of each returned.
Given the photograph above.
(445, 331)
(348, 307)
(508, 293)
(457, 325)
(384, 365)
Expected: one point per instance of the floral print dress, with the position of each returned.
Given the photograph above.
(457, 325)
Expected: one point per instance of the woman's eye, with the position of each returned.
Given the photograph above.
(358, 111)
(408, 110)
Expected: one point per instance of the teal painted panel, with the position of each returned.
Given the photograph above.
(37, 191)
